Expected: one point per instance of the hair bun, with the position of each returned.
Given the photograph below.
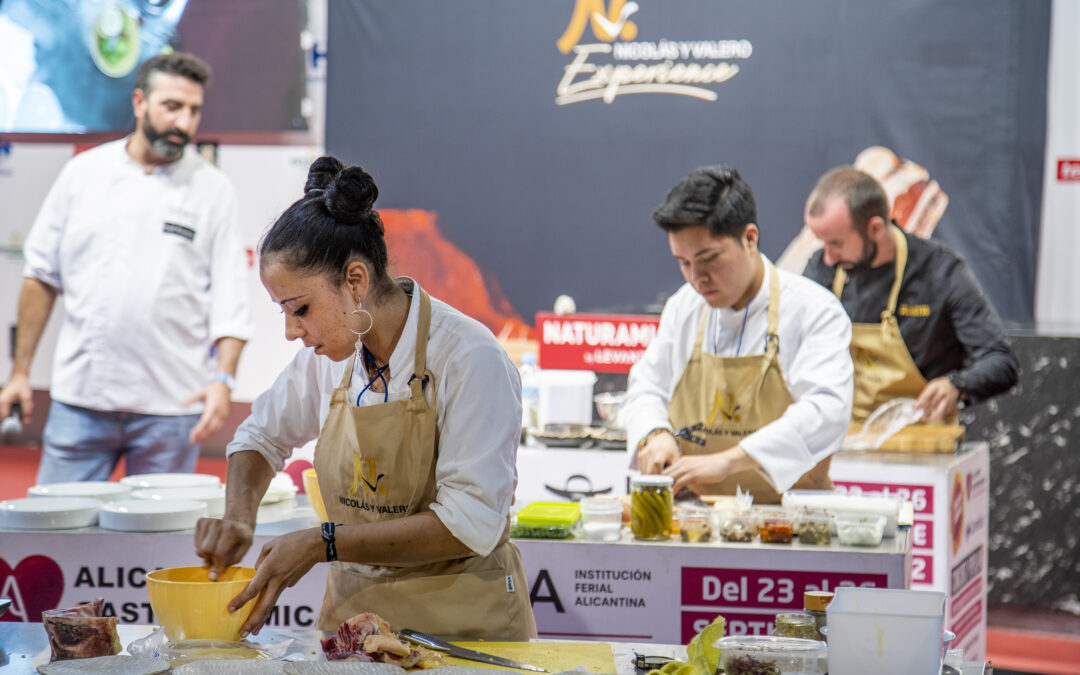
(723, 175)
(322, 173)
(351, 196)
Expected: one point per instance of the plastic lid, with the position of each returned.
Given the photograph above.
(549, 513)
(528, 359)
(817, 601)
(600, 505)
(653, 480)
(770, 644)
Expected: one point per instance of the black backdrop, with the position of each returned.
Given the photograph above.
(451, 105)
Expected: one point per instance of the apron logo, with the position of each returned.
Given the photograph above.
(368, 477)
(730, 411)
(863, 358)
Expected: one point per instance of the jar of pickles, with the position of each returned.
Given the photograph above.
(796, 625)
(651, 507)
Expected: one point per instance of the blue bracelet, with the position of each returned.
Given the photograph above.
(225, 378)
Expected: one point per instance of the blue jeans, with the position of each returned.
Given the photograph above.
(82, 444)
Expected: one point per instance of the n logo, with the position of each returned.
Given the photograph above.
(724, 405)
(606, 25)
(863, 359)
(363, 470)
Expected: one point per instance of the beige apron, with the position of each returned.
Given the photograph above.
(376, 463)
(732, 397)
(884, 369)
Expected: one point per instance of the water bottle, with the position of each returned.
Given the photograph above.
(530, 394)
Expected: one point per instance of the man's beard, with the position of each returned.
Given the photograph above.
(160, 142)
(870, 251)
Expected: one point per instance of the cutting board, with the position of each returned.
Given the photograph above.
(921, 438)
(556, 657)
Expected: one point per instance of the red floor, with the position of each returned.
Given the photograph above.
(1020, 640)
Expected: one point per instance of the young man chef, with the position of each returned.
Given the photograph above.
(749, 380)
(923, 328)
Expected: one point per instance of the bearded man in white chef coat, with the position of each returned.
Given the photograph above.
(748, 382)
(139, 237)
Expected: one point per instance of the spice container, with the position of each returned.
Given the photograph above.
(815, 604)
(601, 518)
(775, 527)
(860, 530)
(546, 520)
(814, 527)
(738, 528)
(695, 523)
(768, 655)
(651, 507)
(796, 625)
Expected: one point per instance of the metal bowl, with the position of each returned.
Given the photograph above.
(609, 405)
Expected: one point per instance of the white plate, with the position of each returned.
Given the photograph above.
(281, 488)
(152, 515)
(57, 513)
(170, 480)
(213, 497)
(106, 491)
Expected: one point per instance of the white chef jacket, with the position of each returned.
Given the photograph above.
(815, 334)
(477, 411)
(151, 272)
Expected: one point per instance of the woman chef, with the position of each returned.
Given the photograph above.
(417, 410)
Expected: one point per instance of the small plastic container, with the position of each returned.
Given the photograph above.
(738, 528)
(813, 527)
(601, 518)
(695, 524)
(796, 625)
(776, 527)
(769, 655)
(546, 520)
(651, 507)
(860, 530)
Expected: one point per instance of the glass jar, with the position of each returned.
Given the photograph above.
(796, 625)
(815, 603)
(651, 507)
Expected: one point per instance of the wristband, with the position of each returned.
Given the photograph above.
(652, 434)
(328, 537)
(226, 379)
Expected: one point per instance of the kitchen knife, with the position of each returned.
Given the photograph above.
(435, 643)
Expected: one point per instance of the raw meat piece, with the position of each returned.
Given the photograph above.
(81, 632)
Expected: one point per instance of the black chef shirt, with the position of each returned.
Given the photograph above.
(946, 321)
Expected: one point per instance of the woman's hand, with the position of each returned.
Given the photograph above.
(221, 543)
(280, 565)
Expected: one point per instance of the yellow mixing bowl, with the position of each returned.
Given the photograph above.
(311, 487)
(191, 607)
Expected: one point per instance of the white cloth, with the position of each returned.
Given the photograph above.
(815, 334)
(151, 272)
(477, 410)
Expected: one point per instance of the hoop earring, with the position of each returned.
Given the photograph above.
(360, 334)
